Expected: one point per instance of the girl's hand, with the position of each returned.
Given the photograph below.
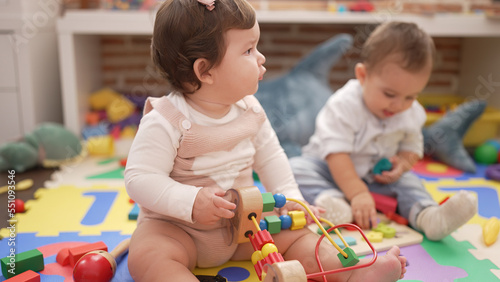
(209, 206)
(392, 175)
(363, 210)
(293, 206)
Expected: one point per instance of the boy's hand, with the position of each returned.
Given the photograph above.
(363, 210)
(209, 206)
(392, 175)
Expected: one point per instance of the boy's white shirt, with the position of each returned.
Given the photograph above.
(154, 149)
(345, 125)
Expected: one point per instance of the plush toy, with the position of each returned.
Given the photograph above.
(49, 145)
(293, 100)
(443, 139)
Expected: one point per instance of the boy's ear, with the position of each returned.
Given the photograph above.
(201, 70)
(360, 72)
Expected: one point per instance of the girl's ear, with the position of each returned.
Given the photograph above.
(201, 70)
(360, 72)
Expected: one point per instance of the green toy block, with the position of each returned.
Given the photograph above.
(382, 165)
(389, 232)
(29, 260)
(267, 202)
(352, 258)
(273, 224)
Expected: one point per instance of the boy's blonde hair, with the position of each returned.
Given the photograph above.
(186, 30)
(414, 47)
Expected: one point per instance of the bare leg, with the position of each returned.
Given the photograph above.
(160, 251)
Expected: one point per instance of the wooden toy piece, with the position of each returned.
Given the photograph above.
(263, 224)
(248, 202)
(352, 258)
(350, 240)
(273, 224)
(286, 221)
(256, 257)
(298, 219)
(388, 232)
(267, 202)
(374, 236)
(286, 271)
(134, 212)
(397, 218)
(381, 166)
(490, 231)
(63, 257)
(280, 200)
(268, 248)
(384, 204)
(261, 238)
(76, 253)
(19, 263)
(27, 276)
(99, 265)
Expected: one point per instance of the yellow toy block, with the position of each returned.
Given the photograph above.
(298, 219)
(374, 236)
(389, 232)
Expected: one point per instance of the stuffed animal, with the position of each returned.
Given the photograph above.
(293, 100)
(49, 145)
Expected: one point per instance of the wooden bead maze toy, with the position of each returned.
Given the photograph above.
(269, 264)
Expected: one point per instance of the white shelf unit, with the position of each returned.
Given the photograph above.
(29, 71)
(79, 46)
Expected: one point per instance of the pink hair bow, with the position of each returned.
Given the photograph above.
(210, 4)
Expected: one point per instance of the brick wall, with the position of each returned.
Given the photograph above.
(415, 6)
(126, 64)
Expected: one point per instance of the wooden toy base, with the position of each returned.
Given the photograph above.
(405, 236)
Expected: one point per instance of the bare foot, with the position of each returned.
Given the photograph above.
(390, 267)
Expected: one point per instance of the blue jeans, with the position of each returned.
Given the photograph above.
(313, 177)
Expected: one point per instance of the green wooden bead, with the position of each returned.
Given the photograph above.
(267, 202)
(352, 258)
(273, 224)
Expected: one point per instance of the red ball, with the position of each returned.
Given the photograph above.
(94, 267)
(19, 206)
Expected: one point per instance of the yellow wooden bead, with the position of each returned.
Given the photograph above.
(374, 236)
(298, 219)
(256, 257)
(268, 248)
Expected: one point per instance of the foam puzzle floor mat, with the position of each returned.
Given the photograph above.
(88, 203)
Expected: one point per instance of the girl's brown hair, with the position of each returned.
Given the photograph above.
(186, 30)
(414, 46)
